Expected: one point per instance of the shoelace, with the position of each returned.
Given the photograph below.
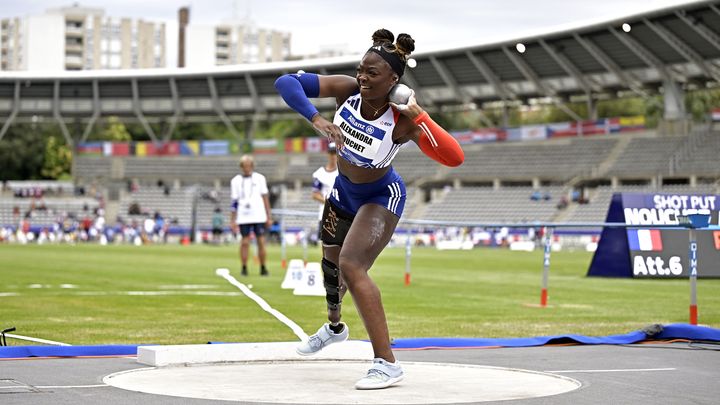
(375, 373)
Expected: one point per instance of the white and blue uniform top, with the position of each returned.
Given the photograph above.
(323, 182)
(368, 144)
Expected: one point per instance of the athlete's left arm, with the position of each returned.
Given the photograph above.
(432, 139)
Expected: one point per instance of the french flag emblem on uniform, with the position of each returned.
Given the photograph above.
(648, 240)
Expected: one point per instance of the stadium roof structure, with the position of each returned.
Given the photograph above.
(641, 53)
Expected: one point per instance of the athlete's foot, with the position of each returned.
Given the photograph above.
(244, 271)
(324, 336)
(382, 374)
(263, 271)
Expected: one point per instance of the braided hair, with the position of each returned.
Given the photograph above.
(395, 54)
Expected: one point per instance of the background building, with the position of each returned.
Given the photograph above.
(79, 38)
(232, 44)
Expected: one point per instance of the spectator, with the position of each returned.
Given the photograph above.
(160, 226)
(148, 228)
(575, 195)
(218, 223)
(134, 209)
(563, 203)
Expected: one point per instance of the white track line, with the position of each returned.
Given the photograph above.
(225, 273)
(620, 370)
(38, 340)
(53, 386)
(70, 386)
(158, 293)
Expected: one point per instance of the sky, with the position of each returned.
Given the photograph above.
(349, 24)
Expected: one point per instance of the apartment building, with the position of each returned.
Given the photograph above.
(80, 38)
(231, 44)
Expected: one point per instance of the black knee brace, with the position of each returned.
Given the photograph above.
(335, 225)
(331, 274)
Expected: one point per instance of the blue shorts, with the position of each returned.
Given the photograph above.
(258, 229)
(388, 191)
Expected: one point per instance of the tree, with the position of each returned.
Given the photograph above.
(22, 152)
(58, 159)
(114, 131)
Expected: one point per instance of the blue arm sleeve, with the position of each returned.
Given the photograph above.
(295, 90)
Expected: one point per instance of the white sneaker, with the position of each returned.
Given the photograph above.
(324, 336)
(381, 375)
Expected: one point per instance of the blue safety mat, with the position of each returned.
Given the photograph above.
(653, 332)
(16, 352)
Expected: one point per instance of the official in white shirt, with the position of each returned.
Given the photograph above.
(250, 211)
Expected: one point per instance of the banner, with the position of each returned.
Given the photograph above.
(632, 123)
(319, 144)
(562, 129)
(314, 145)
(145, 149)
(168, 149)
(481, 135)
(643, 252)
(294, 145)
(593, 127)
(533, 132)
(715, 114)
(191, 148)
(265, 145)
(121, 149)
(215, 148)
(90, 148)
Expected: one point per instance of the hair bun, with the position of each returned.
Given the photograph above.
(405, 44)
(382, 36)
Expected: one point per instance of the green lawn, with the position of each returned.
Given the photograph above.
(479, 293)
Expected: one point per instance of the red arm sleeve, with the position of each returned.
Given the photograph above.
(437, 143)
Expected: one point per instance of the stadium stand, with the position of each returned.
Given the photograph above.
(667, 47)
(559, 160)
(699, 155)
(646, 157)
(567, 163)
(485, 204)
(176, 206)
(44, 212)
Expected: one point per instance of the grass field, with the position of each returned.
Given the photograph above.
(89, 294)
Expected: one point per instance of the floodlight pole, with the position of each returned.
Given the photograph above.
(546, 265)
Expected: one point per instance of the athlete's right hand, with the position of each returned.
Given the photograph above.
(327, 128)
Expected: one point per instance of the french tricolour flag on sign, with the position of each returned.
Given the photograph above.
(645, 240)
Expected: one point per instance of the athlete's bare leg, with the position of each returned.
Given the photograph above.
(370, 232)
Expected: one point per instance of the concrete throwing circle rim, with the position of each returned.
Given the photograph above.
(310, 381)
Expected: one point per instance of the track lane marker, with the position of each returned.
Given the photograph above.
(225, 273)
